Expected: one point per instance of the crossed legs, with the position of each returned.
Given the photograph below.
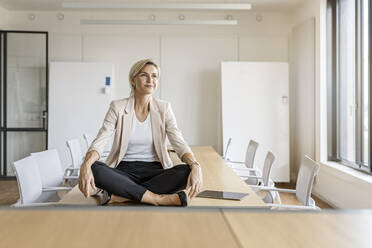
(145, 182)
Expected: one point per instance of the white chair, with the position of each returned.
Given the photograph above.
(246, 171)
(246, 168)
(30, 185)
(89, 140)
(249, 157)
(264, 178)
(224, 157)
(77, 156)
(51, 171)
(305, 179)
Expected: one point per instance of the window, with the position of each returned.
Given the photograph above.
(349, 82)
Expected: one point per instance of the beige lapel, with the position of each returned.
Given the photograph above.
(127, 126)
(156, 127)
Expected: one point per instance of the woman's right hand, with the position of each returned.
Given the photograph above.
(86, 179)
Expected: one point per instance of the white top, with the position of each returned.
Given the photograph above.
(141, 144)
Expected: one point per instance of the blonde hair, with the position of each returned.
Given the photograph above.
(137, 67)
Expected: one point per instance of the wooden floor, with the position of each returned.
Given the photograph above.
(288, 198)
(9, 194)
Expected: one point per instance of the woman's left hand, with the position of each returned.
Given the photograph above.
(195, 181)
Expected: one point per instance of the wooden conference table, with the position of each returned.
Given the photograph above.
(216, 176)
(112, 227)
(68, 225)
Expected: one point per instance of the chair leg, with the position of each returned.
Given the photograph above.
(277, 197)
(269, 198)
(275, 193)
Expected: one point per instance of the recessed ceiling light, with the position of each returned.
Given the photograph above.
(259, 18)
(31, 16)
(60, 16)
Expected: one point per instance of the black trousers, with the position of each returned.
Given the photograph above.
(132, 179)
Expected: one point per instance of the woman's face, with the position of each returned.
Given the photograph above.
(146, 81)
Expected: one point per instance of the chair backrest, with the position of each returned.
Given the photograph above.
(28, 178)
(266, 170)
(250, 154)
(88, 140)
(305, 179)
(227, 149)
(50, 167)
(75, 152)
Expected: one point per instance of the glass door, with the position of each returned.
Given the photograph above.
(24, 96)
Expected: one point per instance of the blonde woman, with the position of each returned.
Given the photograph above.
(138, 167)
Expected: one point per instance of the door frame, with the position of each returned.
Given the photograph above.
(3, 100)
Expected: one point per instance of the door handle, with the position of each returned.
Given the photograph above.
(44, 116)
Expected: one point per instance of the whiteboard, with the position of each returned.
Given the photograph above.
(77, 103)
(255, 105)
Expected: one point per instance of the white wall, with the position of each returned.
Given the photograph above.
(338, 185)
(3, 18)
(312, 9)
(302, 93)
(189, 56)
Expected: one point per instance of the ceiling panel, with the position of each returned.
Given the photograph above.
(261, 5)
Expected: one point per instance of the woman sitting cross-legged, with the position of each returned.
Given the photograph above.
(138, 167)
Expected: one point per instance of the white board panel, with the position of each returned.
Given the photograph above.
(255, 106)
(77, 103)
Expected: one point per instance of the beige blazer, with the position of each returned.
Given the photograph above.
(118, 121)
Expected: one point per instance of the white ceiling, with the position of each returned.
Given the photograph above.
(262, 5)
